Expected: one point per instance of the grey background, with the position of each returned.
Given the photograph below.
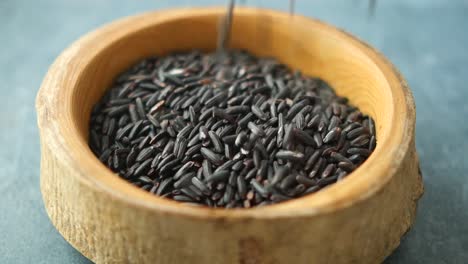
(426, 39)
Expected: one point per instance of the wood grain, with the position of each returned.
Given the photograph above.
(358, 220)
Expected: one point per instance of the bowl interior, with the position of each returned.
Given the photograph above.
(350, 67)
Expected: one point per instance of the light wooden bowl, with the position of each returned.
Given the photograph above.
(358, 220)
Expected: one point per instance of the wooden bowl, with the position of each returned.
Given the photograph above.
(358, 220)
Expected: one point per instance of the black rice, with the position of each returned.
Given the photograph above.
(230, 131)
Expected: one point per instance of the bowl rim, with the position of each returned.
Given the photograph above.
(56, 85)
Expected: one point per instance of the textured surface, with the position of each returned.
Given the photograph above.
(426, 40)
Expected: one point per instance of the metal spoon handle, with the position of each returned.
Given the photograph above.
(291, 7)
(372, 7)
(225, 27)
